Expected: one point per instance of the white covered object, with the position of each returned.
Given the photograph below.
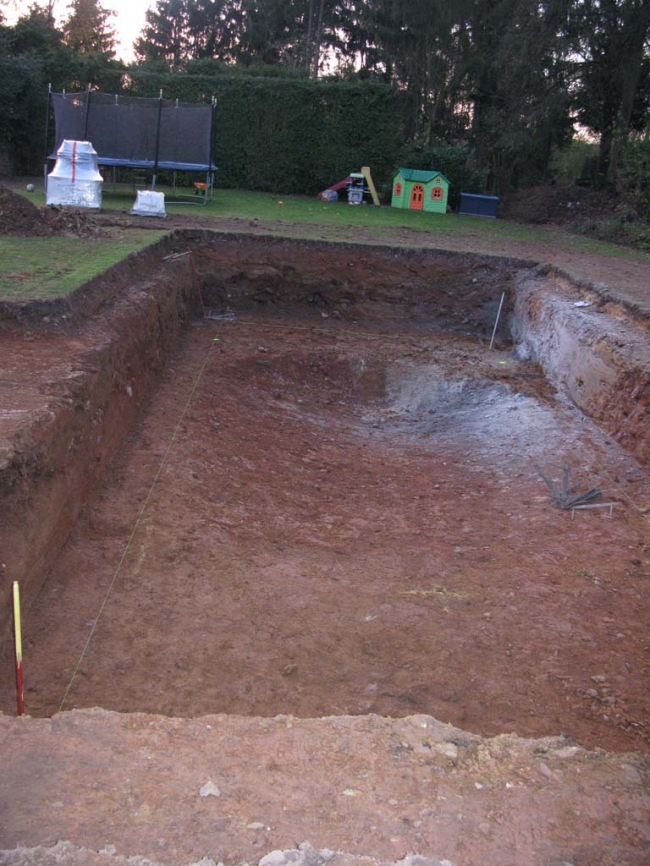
(149, 203)
(75, 179)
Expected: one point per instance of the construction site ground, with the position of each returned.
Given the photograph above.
(320, 593)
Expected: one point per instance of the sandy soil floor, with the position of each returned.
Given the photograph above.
(344, 521)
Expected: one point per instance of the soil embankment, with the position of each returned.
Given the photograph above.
(74, 373)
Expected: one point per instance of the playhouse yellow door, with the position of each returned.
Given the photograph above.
(417, 197)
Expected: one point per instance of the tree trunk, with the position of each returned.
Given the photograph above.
(309, 39)
(318, 37)
(637, 27)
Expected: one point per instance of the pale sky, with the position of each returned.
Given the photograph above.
(127, 22)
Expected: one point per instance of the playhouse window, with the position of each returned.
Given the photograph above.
(437, 193)
(398, 189)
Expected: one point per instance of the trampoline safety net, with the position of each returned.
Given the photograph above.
(134, 131)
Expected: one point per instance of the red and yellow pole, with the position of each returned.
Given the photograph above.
(19, 651)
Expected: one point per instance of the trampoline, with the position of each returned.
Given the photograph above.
(143, 134)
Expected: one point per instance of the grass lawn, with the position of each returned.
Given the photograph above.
(377, 224)
(46, 267)
(38, 268)
(380, 225)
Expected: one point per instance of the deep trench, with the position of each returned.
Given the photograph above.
(345, 511)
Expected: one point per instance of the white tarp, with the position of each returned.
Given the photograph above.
(149, 203)
(75, 179)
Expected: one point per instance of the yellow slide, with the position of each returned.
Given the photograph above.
(365, 171)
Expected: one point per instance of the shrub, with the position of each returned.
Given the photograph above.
(572, 162)
(636, 174)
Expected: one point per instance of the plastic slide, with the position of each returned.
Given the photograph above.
(336, 187)
(365, 171)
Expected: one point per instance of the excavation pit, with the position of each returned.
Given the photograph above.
(329, 502)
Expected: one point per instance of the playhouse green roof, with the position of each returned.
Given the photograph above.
(419, 176)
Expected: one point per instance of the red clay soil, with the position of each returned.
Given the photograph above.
(321, 510)
(65, 405)
(352, 522)
(231, 789)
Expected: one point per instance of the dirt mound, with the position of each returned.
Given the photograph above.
(68, 221)
(558, 204)
(20, 218)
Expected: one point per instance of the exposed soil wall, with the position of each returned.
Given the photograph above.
(105, 367)
(427, 290)
(594, 351)
(96, 294)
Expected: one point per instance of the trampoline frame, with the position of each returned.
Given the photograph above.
(153, 166)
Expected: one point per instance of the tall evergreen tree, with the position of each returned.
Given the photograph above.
(276, 32)
(87, 29)
(213, 28)
(165, 34)
(289, 33)
(177, 31)
(519, 81)
(32, 55)
(612, 37)
(418, 46)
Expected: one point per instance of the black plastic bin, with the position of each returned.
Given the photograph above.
(479, 205)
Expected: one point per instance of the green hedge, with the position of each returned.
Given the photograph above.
(284, 135)
(274, 133)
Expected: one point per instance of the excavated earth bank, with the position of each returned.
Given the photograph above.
(331, 492)
(131, 784)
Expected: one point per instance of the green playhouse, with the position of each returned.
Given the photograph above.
(420, 190)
